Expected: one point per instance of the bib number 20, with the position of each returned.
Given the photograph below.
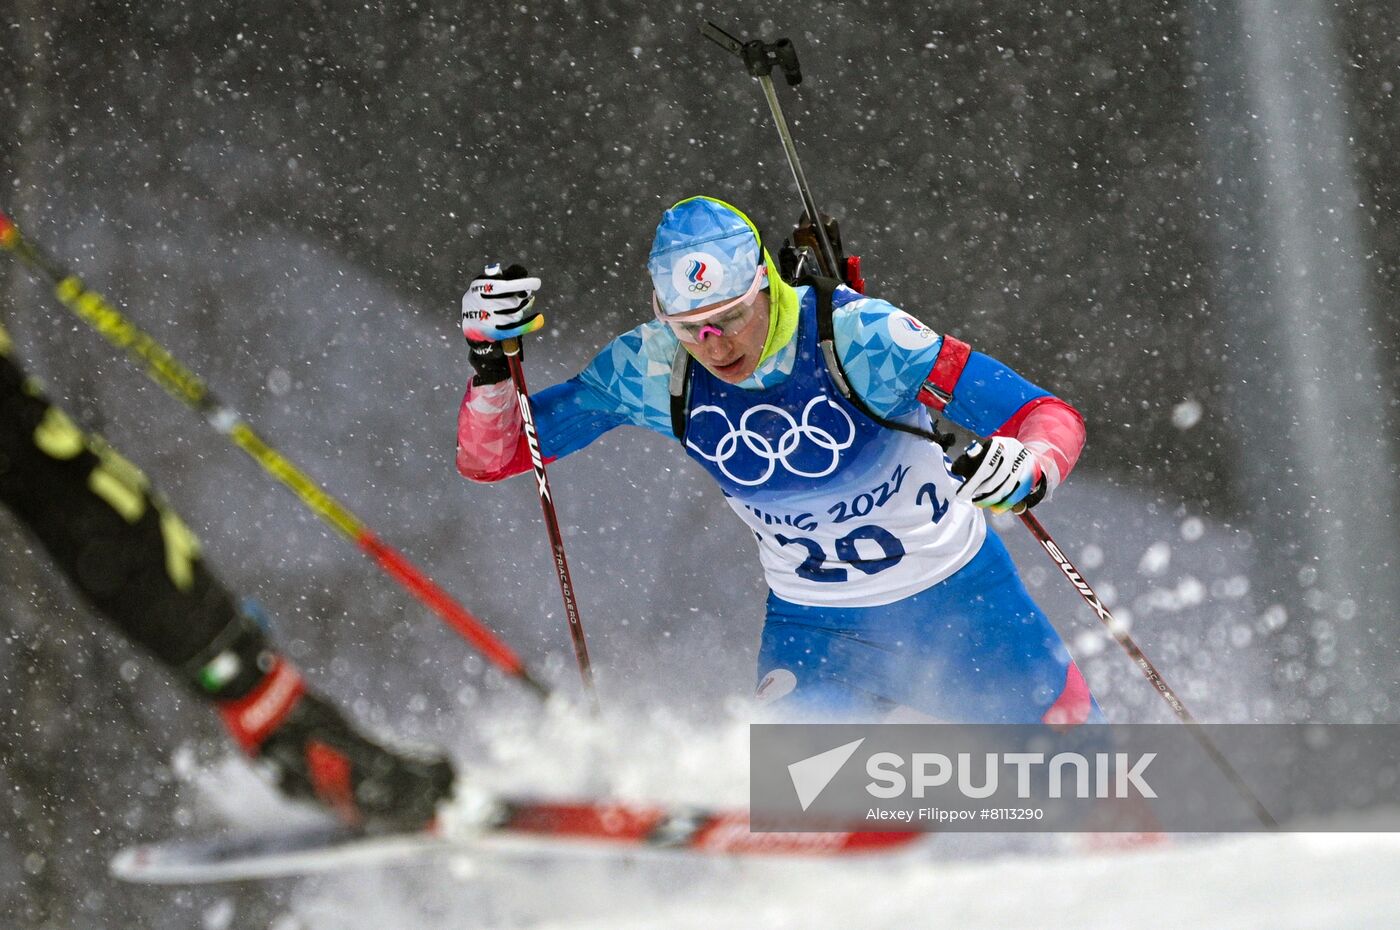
(814, 568)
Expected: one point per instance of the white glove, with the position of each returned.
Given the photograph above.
(500, 305)
(1000, 475)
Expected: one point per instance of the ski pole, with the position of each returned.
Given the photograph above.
(759, 59)
(1148, 669)
(551, 521)
(185, 386)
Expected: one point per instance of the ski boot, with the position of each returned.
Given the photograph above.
(311, 749)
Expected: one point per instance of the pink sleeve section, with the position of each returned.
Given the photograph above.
(490, 442)
(1053, 430)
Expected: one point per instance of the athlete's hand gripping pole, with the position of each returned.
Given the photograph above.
(970, 466)
(497, 310)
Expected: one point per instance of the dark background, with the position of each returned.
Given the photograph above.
(1113, 199)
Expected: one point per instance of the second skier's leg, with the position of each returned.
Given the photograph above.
(133, 559)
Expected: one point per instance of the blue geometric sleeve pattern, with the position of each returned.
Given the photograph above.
(628, 382)
(988, 394)
(885, 353)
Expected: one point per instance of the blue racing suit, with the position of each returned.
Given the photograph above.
(887, 593)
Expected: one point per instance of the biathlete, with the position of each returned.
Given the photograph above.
(889, 596)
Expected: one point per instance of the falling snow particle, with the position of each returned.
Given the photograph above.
(1192, 529)
(1191, 592)
(1274, 617)
(1156, 559)
(1186, 414)
(1088, 643)
(219, 916)
(279, 382)
(1091, 556)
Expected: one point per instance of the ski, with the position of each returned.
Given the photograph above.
(502, 826)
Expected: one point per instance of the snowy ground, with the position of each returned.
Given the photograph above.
(1241, 882)
(1317, 881)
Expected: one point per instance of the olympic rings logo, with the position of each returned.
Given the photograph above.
(776, 453)
(700, 287)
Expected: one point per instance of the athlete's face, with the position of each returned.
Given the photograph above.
(731, 353)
